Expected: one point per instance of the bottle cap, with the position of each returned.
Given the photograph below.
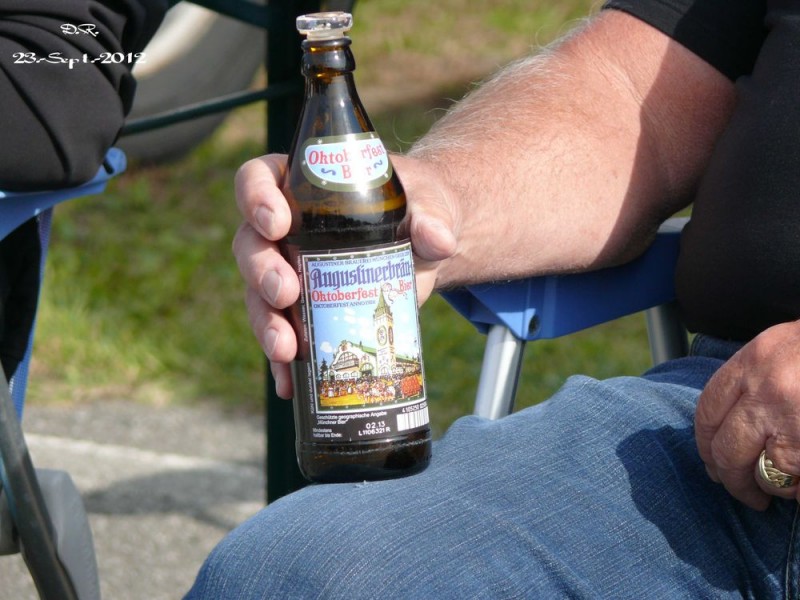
(324, 25)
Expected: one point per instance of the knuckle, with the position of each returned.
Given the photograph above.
(236, 242)
(724, 452)
(759, 348)
(244, 170)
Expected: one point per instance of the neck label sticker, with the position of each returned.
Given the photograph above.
(346, 163)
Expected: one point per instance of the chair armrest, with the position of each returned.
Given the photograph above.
(18, 207)
(553, 306)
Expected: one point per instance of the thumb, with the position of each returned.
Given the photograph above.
(432, 216)
(431, 221)
(432, 236)
(432, 241)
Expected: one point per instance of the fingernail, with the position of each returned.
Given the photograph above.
(270, 341)
(263, 220)
(272, 284)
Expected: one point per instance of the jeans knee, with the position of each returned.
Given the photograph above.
(307, 552)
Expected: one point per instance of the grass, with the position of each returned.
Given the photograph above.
(142, 297)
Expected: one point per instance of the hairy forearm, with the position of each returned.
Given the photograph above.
(570, 159)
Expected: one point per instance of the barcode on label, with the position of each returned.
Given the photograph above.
(418, 418)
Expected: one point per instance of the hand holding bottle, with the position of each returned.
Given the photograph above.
(272, 285)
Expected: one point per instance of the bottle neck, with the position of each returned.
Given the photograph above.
(326, 62)
(331, 94)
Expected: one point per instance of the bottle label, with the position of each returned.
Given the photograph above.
(346, 163)
(365, 369)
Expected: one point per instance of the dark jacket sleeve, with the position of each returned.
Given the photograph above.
(64, 95)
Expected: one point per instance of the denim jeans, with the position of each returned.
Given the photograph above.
(597, 493)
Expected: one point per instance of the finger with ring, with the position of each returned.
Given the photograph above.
(773, 476)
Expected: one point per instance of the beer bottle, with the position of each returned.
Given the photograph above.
(359, 393)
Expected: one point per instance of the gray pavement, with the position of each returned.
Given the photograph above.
(162, 485)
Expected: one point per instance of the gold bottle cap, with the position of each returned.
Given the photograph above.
(324, 25)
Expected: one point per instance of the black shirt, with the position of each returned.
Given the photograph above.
(57, 121)
(735, 274)
(57, 118)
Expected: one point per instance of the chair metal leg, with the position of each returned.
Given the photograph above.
(27, 507)
(283, 474)
(668, 336)
(283, 67)
(502, 360)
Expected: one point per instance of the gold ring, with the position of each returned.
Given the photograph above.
(772, 476)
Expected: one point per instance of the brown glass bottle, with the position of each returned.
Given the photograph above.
(360, 405)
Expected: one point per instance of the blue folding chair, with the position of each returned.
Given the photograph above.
(41, 511)
(515, 312)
